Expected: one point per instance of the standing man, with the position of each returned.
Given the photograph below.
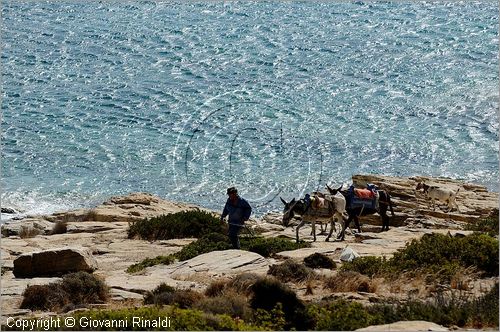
(238, 210)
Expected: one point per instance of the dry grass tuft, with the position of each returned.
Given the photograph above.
(350, 281)
(29, 231)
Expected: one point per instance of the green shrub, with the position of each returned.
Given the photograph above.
(367, 265)
(166, 260)
(437, 252)
(269, 246)
(164, 294)
(217, 241)
(488, 226)
(339, 315)
(290, 271)
(268, 292)
(273, 320)
(207, 243)
(75, 289)
(229, 303)
(177, 225)
(446, 310)
(319, 261)
(84, 287)
(154, 296)
(179, 320)
(49, 297)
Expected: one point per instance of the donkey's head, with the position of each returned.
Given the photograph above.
(288, 211)
(333, 191)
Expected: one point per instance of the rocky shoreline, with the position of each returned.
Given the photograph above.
(102, 232)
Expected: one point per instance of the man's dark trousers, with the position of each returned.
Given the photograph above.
(234, 230)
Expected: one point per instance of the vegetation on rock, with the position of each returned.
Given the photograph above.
(437, 254)
(319, 260)
(74, 290)
(290, 270)
(178, 225)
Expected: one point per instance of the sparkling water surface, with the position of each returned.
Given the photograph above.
(183, 99)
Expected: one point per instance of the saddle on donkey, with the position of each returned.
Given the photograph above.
(367, 198)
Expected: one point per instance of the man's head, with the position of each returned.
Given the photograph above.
(232, 192)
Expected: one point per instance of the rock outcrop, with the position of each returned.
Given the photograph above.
(54, 262)
(416, 325)
(226, 262)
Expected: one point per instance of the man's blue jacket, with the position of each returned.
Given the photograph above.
(238, 213)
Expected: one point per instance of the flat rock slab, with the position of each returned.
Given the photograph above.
(417, 325)
(54, 262)
(220, 263)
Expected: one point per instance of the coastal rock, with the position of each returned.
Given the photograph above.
(8, 210)
(128, 208)
(15, 227)
(54, 262)
(416, 325)
(219, 263)
(474, 201)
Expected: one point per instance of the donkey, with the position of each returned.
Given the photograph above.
(354, 213)
(333, 209)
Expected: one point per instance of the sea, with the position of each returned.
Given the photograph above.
(183, 99)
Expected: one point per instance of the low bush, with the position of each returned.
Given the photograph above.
(154, 296)
(290, 271)
(60, 227)
(268, 292)
(350, 281)
(216, 288)
(440, 255)
(243, 282)
(438, 252)
(488, 226)
(170, 318)
(164, 294)
(447, 310)
(84, 287)
(177, 225)
(367, 265)
(340, 315)
(74, 290)
(207, 243)
(229, 303)
(29, 231)
(319, 261)
(216, 241)
(49, 297)
(269, 246)
(166, 260)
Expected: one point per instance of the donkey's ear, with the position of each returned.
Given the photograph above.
(340, 187)
(293, 200)
(283, 201)
(328, 187)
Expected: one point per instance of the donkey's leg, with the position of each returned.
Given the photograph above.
(384, 217)
(332, 227)
(302, 222)
(342, 232)
(313, 226)
(356, 221)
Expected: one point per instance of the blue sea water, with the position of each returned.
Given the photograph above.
(183, 99)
